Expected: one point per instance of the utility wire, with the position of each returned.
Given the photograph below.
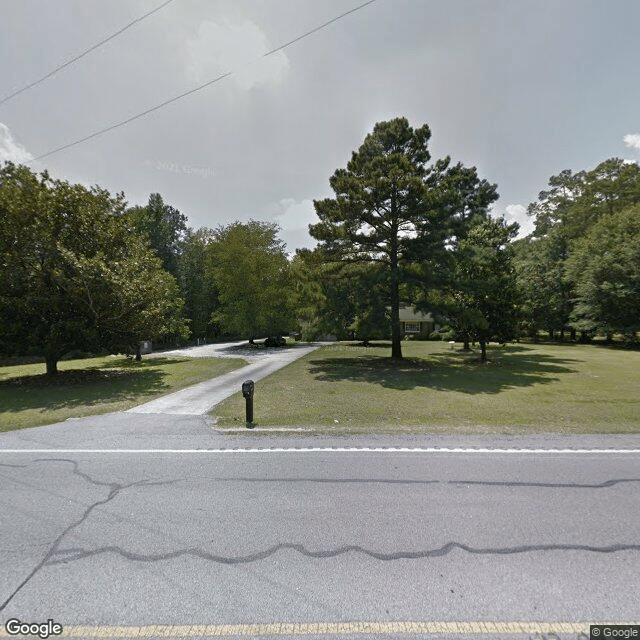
(83, 54)
(199, 88)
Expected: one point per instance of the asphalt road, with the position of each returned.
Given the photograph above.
(141, 526)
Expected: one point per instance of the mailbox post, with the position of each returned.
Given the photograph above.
(248, 387)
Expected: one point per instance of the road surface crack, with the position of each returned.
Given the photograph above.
(114, 490)
(543, 485)
(74, 554)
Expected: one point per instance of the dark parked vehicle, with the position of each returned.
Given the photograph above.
(275, 341)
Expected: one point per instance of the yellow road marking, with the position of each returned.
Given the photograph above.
(322, 628)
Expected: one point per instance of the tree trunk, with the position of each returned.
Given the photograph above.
(396, 343)
(466, 346)
(52, 365)
(483, 350)
(573, 334)
(562, 334)
(550, 334)
(138, 353)
(396, 338)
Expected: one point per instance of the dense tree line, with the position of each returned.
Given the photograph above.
(400, 231)
(579, 271)
(73, 276)
(234, 280)
(79, 270)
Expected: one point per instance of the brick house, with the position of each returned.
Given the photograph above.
(415, 323)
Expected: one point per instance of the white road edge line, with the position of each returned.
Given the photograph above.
(331, 450)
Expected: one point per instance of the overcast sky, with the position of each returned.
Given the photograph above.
(522, 89)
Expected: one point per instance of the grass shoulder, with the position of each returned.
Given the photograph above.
(347, 388)
(91, 386)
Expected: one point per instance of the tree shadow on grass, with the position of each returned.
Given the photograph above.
(257, 349)
(372, 343)
(133, 364)
(451, 371)
(79, 387)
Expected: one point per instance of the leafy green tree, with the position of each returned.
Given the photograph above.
(605, 269)
(197, 283)
(72, 276)
(164, 226)
(564, 215)
(321, 303)
(306, 292)
(550, 211)
(547, 298)
(575, 201)
(391, 209)
(485, 298)
(367, 286)
(344, 299)
(251, 272)
(561, 214)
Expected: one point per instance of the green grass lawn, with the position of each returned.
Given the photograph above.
(525, 388)
(98, 385)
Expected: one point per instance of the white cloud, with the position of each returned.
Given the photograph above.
(632, 140)
(295, 215)
(220, 47)
(518, 213)
(294, 219)
(10, 150)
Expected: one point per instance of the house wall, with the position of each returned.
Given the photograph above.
(425, 329)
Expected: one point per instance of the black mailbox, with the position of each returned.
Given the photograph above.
(248, 387)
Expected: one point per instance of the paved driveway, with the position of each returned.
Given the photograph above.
(202, 397)
(241, 349)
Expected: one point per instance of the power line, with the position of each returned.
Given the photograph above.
(322, 26)
(84, 53)
(199, 88)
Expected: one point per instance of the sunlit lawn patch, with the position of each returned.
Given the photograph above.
(524, 388)
(97, 385)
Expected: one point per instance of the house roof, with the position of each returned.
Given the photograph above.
(409, 314)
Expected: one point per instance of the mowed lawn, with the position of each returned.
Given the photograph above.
(98, 385)
(525, 388)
